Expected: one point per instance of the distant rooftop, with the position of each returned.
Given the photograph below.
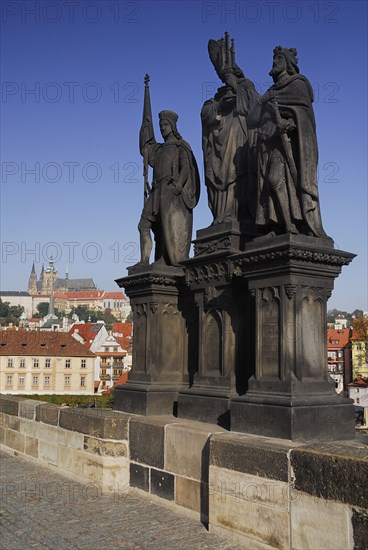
(13, 293)
(22, 342)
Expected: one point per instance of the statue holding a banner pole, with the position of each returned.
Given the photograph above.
(168, 204)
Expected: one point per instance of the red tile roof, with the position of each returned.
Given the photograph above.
(123, 379)
(342, 336)
(59, 344)
(88, 331)
(125, 343)
(360, 331)
(90, 295)
(81, 295)
(114, 296)
(126, 330)
(360, 382)
(117, 354)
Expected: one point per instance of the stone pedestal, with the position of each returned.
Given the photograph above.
(225, 238)
(160, 348)
(216, 337)
(291, 394)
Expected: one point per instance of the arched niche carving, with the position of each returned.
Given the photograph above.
(213, 343)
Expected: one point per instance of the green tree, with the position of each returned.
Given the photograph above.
(10, 314)
(109, 319)
(357, 313)
(4, 309)
(91, 315)
(81, 311)
(43, 309)
(85, 314)
(332, 314)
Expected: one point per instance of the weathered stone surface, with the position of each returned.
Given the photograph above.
(48, 413)
(252, 455)
(14, 440)
(10, 421)
(70, 460)
(72, 440)
(162, 484)
(116, 476)
(146, 440)
(2, 435)
(333, 472)
(104, 448)
(9, 404)
(360, 528)
(31, 447)
(265, 524)
(188, 493)
(97, 423)
(139, 476)
(187, 449)
(52, 434)
(30, 428)
(38, 430)
(110, 473)
(253, 489)
(239, 540)
(318, 523)
(48, 451)
(27, 408)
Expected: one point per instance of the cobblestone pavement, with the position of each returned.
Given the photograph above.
(40, 508)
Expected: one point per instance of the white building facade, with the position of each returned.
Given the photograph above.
(44, 363)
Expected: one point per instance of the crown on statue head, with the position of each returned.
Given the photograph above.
(168, 115)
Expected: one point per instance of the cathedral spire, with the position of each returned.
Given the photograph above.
(32, 281)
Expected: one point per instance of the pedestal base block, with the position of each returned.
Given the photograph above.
(219, 239)
(297, 423)
(204, 407)
(145, 400)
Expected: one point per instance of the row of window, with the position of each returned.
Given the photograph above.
(47, 364)
(333, 354)
(115, 371)
(46, 380)
(114, 305)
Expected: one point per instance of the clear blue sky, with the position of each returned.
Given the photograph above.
(78, 130)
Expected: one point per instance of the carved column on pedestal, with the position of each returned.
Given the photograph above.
(291, 394)
(160, 347)
(218, 311)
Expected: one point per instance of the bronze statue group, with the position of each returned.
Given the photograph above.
(260, 160)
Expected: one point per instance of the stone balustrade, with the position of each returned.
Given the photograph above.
(260, 492)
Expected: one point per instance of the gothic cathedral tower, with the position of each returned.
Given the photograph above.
(32, 281)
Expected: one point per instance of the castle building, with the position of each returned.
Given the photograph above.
(49, 281)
